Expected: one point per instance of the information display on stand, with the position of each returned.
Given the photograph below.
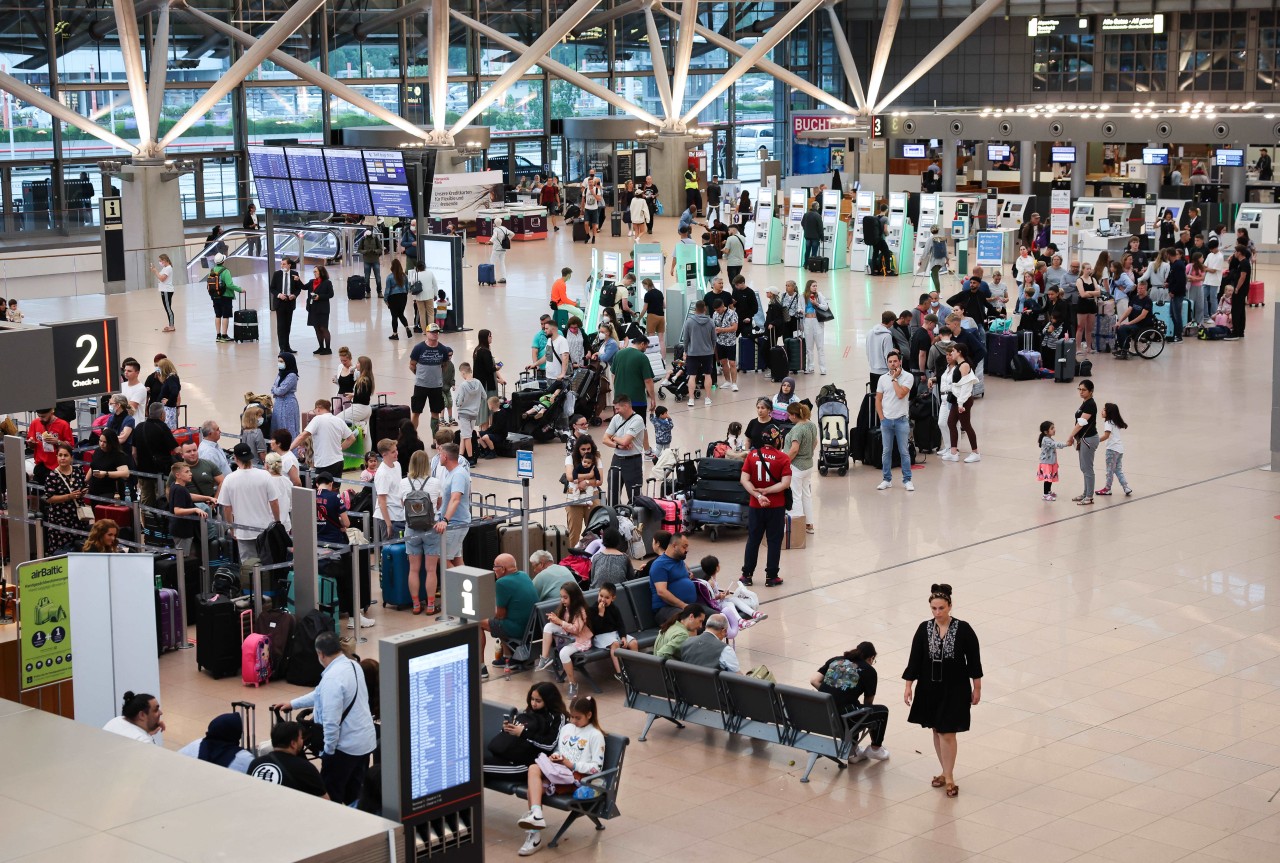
(443, 258)
(439, 721)
(990, 252)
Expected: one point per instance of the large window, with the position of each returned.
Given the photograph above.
(1063, 62)
(1135, 62)
(1211, 51)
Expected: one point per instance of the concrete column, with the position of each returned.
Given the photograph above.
(667, 167)
(1235, 185)
(948, 165)
(1155, 173)
(152, 222)
(1027, 167)
(1078, 172)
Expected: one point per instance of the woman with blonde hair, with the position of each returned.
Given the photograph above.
(422, 543)
(170, 391)
(361, 395)
(275, 466)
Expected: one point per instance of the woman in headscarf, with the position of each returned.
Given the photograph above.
(286, 413)
(786, 395)
(221, 744)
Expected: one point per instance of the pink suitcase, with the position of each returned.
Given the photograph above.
(672, 515)
(255, 653)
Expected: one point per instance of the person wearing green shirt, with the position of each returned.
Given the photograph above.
(540, 340)
(224, 302)
(633, 377)
(514, 598)
(687, 622)
(800, 444)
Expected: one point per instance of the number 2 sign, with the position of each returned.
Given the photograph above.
(86, 357)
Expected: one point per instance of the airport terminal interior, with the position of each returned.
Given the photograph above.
(1131, 648)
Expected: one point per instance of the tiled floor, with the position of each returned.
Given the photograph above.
(1130, 706)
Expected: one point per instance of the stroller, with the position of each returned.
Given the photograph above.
(677, 382)
(539, 419)
(833, 446)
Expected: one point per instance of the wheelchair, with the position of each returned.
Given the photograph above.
(1149, 343)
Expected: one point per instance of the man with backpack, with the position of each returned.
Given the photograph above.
(370, 250)
(222, 291)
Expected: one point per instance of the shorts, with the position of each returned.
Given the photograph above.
(653, 323)
(604, 640)
(222, 307)
(422, 542)
(466, 427)
(703, 364)
(422, 396)
(453, 538)
(504, 628)
(727, 352)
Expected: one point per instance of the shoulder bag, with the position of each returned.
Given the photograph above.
(788, 498)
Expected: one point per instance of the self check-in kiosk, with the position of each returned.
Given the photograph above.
(834, 231)
(766, 247)
(1262, 221)
(1102, 224)
(901, 234)
(928, 218)
(864, 205)
(1014, 210)
(793, 244)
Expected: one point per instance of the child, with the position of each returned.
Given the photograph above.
(605, 619)
(1112, 423)
(709, 593)
(15, 316)
(251, 433)
(449, 375)
(442, 309)
(663, 424)
(371, 462)
(579, 754)
(470, 398)
(570, 619)
(1048, 470)
(734, 438)
(1220, 327)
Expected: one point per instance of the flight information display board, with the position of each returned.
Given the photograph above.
(439, 721)
(345, 166)
(332, 180)
(274, 193)
(351, 198)
(385, 166)
(268, 162)
(313, 195)
(306, 163)
(391, 201)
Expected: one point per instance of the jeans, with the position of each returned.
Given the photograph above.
(1209, 303)
(1088, 449)
(374, 267)
(891, 429)
(764, 523)
(1175, 307)
(1115, 468)
(811, 249)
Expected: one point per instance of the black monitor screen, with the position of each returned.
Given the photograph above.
(385, 166)
(392, 201)
(345, 166)
(313, 196)
(1155, 156)
(274, 194)
(305, 163)
(351, 198)
(268, 162)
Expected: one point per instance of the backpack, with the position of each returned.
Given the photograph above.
(870, 229)
(939, 249)
(608, 294)
(419, 514)
(213, 283)
(505, 242)
(272, 545)
(841, 674)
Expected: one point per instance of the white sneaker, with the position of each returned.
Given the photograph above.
(532, 844)
(973, 456)
(734, 387)
(529, 822)
(365, 622)
(706, 403)
(691, 402)
(949, 456)
(877, 753)
(908, 486)
(883, 485)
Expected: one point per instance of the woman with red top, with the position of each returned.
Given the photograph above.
(549, 197)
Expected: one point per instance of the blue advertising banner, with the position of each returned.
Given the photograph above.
(990, 249)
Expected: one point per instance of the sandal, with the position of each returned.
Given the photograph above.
(1078, 498)
(430, 608)
(809, 529)
(1088, 501)
(417, 608)
(938, 781)
(953, 790)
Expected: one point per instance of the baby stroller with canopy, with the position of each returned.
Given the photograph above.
(677, 382)
(833, 444)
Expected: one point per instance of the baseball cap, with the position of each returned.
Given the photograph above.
(434, 328)
(219, 258)
(242, 452)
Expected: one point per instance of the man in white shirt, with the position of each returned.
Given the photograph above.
(329, 436)
(625, 434)
(386, 486)
(133, 389)
(893, 398)
(139, 720)
(250, 499)
(556, 356)
(1214, 266)
(210, 451)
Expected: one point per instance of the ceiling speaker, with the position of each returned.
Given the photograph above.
(1164, 131)
(956, 127)
(1221, 130)
(909, 126)
(1108, 130)
(1055, 129)
(1006, 128)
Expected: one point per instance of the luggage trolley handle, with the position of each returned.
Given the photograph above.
(249, 718)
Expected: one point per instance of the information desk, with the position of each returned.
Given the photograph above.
(1091, 244)
(528, 222)
(444, 223)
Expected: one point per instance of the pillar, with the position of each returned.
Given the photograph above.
(1026, 167)
(949, 165)
(667, 165)
(152, 208)
(1079, 171)
(1235, 188)
(1154, 175)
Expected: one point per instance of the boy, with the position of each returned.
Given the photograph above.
(183, 530)
(470, 398)
(15, 316)
(662, 428)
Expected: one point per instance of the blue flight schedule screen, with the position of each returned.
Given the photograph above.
(313, 196)
(392, 201)
(305, 163)
(268, 162)
(274, 194)
(439, 721)
(351, 198)
(345, 166)
(385, 166)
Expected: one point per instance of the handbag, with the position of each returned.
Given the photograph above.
(415, 287)
(84, 512)
(762, 672)
(823, 316)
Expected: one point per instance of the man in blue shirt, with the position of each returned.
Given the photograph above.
(454, 517)
(341, 704)
(689, 218)
(670, 586)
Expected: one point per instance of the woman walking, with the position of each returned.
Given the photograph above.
(1085, 437)
(397, 297)
(164, 281)
(944, 659)
(319, 292)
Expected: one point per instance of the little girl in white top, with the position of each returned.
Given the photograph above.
(579, 755)
(1112, 423)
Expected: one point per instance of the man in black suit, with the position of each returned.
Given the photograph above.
(286, 285)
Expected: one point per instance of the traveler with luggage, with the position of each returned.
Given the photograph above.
(409, 243)
(426, 362)
(893, 400)
(624, 435)
(816, 314)
(370, 249)
(766, 475)
(811, 228)
(500, 244)
(699, 339)
(222, 290)
(286, 286)
(250, 499)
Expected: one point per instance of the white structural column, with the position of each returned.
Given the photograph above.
(131, 53)
(438, 62)
(945, 47)
(275, 36)
(753, 55)
(659, 62)
(846, 57)
(560, 70)
(563, 26)
(783, 74)
(159, 71)
(599, 19)
(888, 27)
(684, 53)
(59, 111)
(310, 74)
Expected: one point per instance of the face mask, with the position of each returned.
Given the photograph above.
(933, 304)
(260, 421)
(157, 370)
(280, 366)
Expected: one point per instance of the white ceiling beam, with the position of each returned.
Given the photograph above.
(943, 48)
(888, 28)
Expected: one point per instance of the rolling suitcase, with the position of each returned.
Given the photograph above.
(385, 421)
(481, 544)
(580, 234)
(795, 353)
(169, 628)
(484, 273)
(1257, 294)
(720, 491)
(793, 533)
(255, 653)
(510, 535)
(555, 539)
(748, 355)
(244, 323)
(393, 577)
(778, 363)
(121, 515)
(729, 469)
(1164, 313)
(276, 625)
(818, 264)
(862, 426)
(357, 288)
(714, 512)
(218, 636)
(1064, 371)
(1001, 348)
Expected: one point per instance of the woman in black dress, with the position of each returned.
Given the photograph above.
(319, 292)
(944, 659)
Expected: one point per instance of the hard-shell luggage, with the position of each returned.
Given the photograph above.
(1001, 348)
(1104, 333)
(276, 625)
(818, 264)
(384, 422)
(304, 666)
(394, 576)
(255, 653)
(795, 353)
(580, 234)
(714, 512)
(121, 515)
(357, 288)
(1064, 371)
(778, 363)
(555, 539)
(340, 568)
(1026, 366)
(873, 448)
(748, 354)
(169, 628)
(1164, 313)
(218, 636)
(244, 323)
(1257, 294)
(484, 272)
(862, 426)
(510, 535)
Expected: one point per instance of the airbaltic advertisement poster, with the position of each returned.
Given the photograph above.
(44, 622)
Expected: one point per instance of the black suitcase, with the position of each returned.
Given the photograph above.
(217, 636)
(1001, 349)
(357, 288)
(580, 234)
(1064, 366)
(873, 448)
(385, 421)
(245, 325)
(795, 353)
(861, 427)
(720, 491)
(726, 469)
(615, 223)
(777, 363)
(481, 545)
(818, 264)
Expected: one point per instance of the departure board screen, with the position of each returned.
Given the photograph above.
(351, 198)
(274, 194)
(268, 162)
(391, 201)
(439, 721)
(345, 166)
(306, 163)
(313, 196)
(345, 180)
(385, 166)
